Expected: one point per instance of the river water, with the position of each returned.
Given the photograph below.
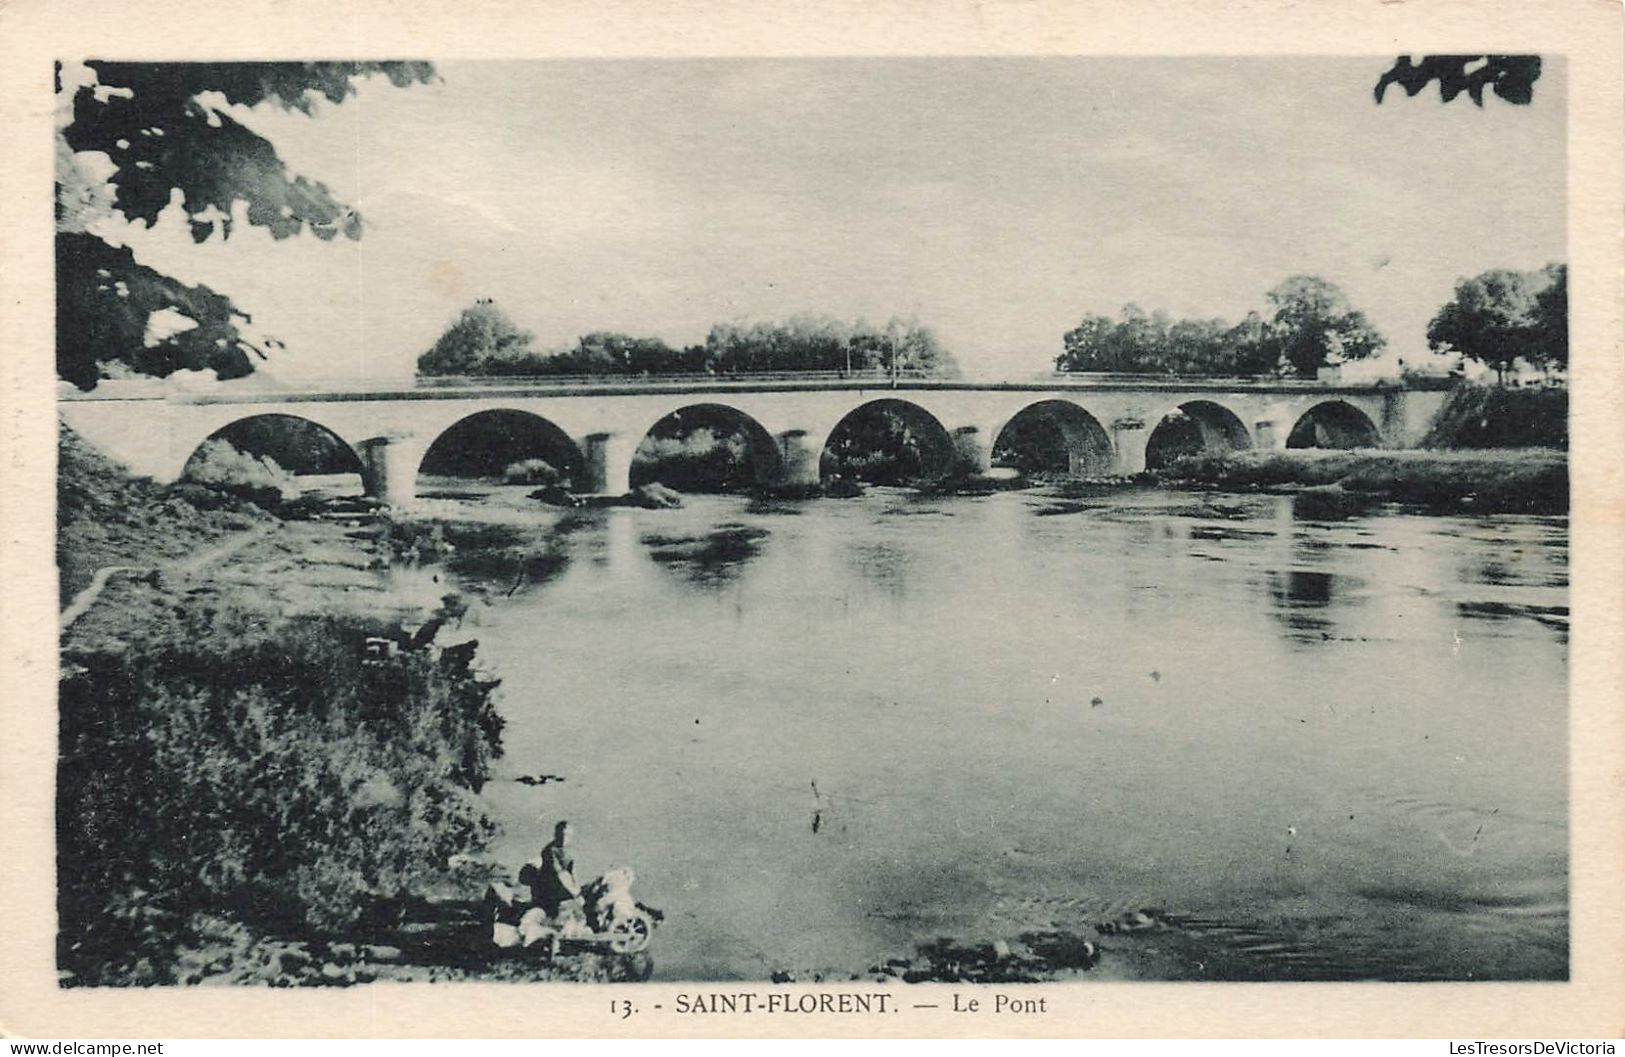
(824, 732)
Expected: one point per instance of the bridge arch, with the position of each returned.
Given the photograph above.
(503, 443)
(887, 441)
(1057, 435)
(1193, 427)
(298, 445)
(706, 447)
(1334, 424)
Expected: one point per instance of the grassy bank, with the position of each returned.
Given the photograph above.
(1520, 481)
(104, 516)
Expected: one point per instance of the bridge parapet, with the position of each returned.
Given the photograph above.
(454, 388)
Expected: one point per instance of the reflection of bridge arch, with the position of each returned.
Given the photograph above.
(765, 459)
(484, 443)
(1086, 445)
(845, 444)
(300, 445)
(1334, 424)
(1195, 426)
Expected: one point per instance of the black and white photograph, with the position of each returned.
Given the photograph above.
(748, 523)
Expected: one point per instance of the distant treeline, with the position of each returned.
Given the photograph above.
(1498, 318)
(1313, 325)
(484, 341)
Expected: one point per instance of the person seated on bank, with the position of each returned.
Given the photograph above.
(551, 876)
(556, 907)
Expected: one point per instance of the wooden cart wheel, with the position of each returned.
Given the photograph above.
(630, 934)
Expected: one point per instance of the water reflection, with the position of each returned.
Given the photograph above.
(883, 565)
(708, 559)
(1306, 602)
(937, 677)
(1555, 617)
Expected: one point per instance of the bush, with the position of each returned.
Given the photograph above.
(1521, 481)
(259, 769)
(531, 471)
(703, 460)
(221, 465)
(1487, 416)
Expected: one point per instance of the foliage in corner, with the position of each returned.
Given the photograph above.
(166, 130)
(1511, 77)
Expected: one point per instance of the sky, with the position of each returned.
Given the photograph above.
(996, 200)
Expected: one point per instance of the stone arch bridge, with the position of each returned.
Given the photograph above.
(1105, 421)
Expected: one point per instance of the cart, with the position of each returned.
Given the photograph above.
(608, 919)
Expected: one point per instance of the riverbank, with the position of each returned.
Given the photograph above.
(107, 519)
(384, 809)
(271, 749)
(1497, 481)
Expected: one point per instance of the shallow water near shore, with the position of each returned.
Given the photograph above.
(825, 732)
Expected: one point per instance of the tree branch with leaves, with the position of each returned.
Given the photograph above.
(169, 134)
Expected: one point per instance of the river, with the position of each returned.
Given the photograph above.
(824, 732)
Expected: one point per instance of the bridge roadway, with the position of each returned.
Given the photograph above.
(1106, 420)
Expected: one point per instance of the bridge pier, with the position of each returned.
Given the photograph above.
(389, 469)
(973, 451)
(799, 455)
(608, 469)
(1129, 439)
(1270, 434)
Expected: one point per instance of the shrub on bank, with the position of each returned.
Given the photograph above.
(531, 471)
(704, 460)
(1528, 481)
(1487, 416)
(221, 465)
(261, 769)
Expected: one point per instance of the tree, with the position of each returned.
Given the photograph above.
(1511, 77)
(482, 340)
(1134, 343)
(1249, 347)
(1551, 319)
(1500, 316)
(608, 352)
(909, 348)
(1315, 326)
(166, 133)
(819, 343)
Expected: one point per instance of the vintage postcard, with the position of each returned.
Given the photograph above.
(930, 519)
